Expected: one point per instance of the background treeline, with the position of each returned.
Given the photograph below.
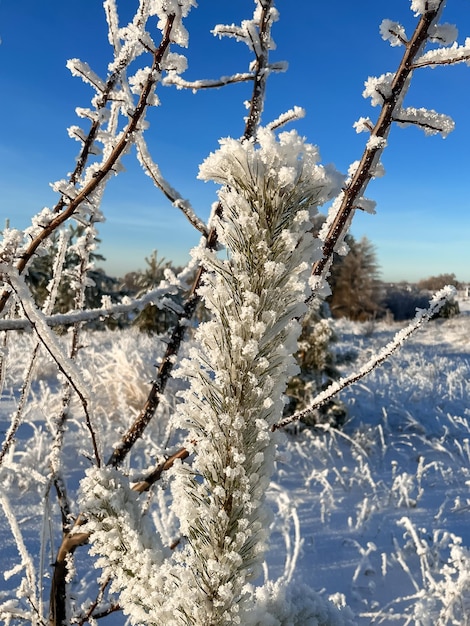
(358, 293)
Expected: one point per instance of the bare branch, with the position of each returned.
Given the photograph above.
(364, 172)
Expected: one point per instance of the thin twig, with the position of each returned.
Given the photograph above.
(72, 317)
(94, 604)
(173, 196)
(336, 386)
(196, 85)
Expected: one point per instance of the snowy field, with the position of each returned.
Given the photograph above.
(378, 512)
(383, 507)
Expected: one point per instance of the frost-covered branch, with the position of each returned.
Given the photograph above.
(196, 85)
(263, 16)
(422, 316)
(47, 309)
(52, 346)
(387, 91)
(296, 113)
(29, 586)
(83, 198)
(430, 121)
(266, 14)
(445, 56)
(159, 297)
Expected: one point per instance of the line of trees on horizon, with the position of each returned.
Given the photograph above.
(358, 291)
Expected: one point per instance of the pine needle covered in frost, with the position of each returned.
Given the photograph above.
(239, 369)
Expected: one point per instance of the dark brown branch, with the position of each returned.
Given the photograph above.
(43, 334)
(107, 167)
(70, 542)
(105, 612)
(94, 604)
(400, 37)
(261, 72)
(156, 474)
(425, 125)
(364, 171)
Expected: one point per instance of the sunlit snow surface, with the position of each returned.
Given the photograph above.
(373, 512)
(396, 475)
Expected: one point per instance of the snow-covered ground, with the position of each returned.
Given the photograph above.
(384, 505)
(378, 511)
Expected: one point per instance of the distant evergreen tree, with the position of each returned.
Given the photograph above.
(99, 283)
(151, 319)
(317, 363)
(355, 283)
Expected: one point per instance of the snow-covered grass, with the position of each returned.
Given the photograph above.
(374, 515)
(383, 505)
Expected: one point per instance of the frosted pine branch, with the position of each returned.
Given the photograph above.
(241, 364)
(129, 550)
(136, 429)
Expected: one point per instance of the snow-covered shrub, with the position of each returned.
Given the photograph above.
(442, 591)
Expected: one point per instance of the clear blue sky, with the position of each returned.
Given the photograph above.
(422, 226)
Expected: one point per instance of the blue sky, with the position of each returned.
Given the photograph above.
(422, 226)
